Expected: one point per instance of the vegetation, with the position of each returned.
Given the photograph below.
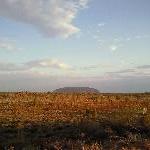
(75, 121)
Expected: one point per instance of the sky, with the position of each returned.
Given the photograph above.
(48, 44)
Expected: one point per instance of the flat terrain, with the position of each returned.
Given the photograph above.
(82, 121)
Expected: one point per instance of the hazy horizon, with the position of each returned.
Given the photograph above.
(102, 44)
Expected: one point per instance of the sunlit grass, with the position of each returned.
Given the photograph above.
(94, 116)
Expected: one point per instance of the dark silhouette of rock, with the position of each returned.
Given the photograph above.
(76, 90)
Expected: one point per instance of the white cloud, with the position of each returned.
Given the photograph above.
(113, 48)
(142, 36)
(128, 39)
(144, 67)
(8, 45)
(136, 37)
(96, 66)
(36, 64)
(48, 63)
(101, 24)
(137, 71)
(11, 67)
(51, 17)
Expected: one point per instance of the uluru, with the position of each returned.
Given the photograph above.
(76, 90)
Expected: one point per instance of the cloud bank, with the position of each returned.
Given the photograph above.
(30, 76)
(38, 82)
(50, 17)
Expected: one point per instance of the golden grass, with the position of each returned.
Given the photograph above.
(80, 121)
(51, 107)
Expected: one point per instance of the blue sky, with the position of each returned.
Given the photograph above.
(100, 43)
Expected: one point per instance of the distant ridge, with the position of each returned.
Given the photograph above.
(76, 90)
